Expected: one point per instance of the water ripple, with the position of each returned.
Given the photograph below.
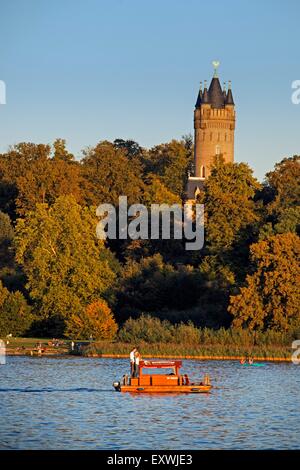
(70, 404)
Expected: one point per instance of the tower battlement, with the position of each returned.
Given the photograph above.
(214, 125)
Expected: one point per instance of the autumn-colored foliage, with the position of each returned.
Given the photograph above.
(271, 297)
(96, 321)
(53, 265)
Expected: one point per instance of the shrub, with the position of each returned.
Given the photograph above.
(15, 313)
(148, 329)
(187, 333)
(96, 320)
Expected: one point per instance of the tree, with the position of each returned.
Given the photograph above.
(10, 273)
(231, 215)
(14, 164)
(270, 298)
(46, 180)
(67, 267)
(61, 152)
(132, 148)
(284, 183)
(6, 238)
(29, 175)
(157, 193)
(15, 313)
(229, 204)
(171, 162)
(96, 321)
(151, 285)
(108, 174)
(281, 199)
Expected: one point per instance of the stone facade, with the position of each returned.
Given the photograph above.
(214, 125)
(214, 135)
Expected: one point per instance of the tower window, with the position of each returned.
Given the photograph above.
(218, 149)
(203, 171)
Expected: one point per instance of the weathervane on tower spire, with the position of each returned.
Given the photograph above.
(216, 64)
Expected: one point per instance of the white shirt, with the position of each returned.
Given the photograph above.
(131, 355)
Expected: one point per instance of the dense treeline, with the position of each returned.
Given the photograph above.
(57, 278)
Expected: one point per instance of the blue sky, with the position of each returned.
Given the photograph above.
(90, 70)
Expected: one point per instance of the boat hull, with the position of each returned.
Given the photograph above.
(165, 388)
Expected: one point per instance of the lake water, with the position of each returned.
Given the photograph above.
(69, 403)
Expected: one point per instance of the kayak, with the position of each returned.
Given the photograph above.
(254, 364)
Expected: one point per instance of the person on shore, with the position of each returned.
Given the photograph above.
(137, 358)
(132, 361)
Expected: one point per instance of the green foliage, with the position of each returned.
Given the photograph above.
(55, 251)
(29, 175)
(132, 148)
(150, 286)
(6, 239)
(284, 184)
(281, 198)
(15, 313)
(157, 193)
(65, 263)
(229, 204)
(171, 163)
(146, 328)
(108, 173)
(187, 333)
(10, 273)
(161, 337)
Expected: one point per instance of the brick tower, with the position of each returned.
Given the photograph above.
(214, 124)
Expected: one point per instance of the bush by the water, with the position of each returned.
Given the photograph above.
(149, 329)
(96, 321)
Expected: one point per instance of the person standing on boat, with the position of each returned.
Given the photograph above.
(132, 361)
(137, 358)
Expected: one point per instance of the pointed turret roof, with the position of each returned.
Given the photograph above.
(205, 96)
(198, 102)
(216, 97)
(199, 98)
(229, 97)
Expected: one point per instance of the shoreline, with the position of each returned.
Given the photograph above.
(155, 356)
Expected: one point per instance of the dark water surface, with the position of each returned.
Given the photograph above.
(69, 403)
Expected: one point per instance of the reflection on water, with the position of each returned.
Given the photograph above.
(69, 403)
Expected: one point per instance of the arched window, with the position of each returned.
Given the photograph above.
(218, 149)
(203, 171)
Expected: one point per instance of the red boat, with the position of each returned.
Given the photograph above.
(161, 382)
